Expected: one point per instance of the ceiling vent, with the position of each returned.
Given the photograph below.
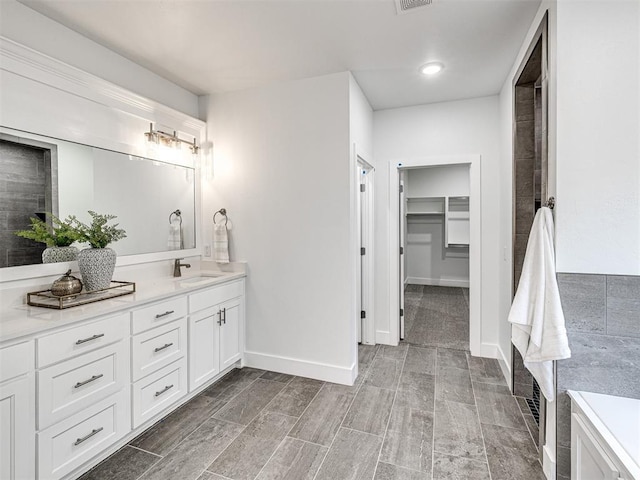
(405, 6)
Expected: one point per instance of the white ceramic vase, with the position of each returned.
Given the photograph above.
(59, 254)
(96, 267)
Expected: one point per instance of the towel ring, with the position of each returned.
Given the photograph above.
(223, 212)
(178, 214)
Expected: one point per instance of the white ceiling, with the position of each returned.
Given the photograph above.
(210, 46)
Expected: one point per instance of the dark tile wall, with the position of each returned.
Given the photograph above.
(602, 314)
(524, 190)
(23, 192)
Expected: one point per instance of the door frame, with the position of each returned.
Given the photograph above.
(475, 242)
(365, 239)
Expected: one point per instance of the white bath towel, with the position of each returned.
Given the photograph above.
(538, 330)
(175, 235)
(220, 243)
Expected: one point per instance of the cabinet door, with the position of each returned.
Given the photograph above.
(589, 460)
(17, 429)
(231, 332)
(204, 352)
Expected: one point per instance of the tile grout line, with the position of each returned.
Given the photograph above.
(435, 391)
(347, 413)
(205, 421)
(138, 448)
(292, 426)
(484, 443)
(247, 426)
(148, 469)
(395, 394)
(281, 441)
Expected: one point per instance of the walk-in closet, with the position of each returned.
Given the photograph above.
(435, 228)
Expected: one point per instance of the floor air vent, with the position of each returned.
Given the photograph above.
(405, 6)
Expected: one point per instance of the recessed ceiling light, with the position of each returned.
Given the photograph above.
(431, 68)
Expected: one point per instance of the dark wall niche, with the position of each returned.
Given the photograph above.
(27, 189)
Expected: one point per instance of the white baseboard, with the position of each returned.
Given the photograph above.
(383, 338)
(548, 463)
(488, 350)
(439, 282)
(505, 366)
(301, 368)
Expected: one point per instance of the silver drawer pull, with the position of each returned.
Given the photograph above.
(92, 379)
(168, 312)
(159, 349)
(95, 431)
(85, 340)
(165, 389)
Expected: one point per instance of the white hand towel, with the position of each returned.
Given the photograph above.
(538, 330)
(175, 235)
(220, 243)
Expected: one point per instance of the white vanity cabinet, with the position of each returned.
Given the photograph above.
(216, 335)
(159, 357)
(83, 393)
(72, 393)
(605, 437)
(17, 406)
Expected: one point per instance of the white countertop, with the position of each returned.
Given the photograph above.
(617, 419)
(22, 321)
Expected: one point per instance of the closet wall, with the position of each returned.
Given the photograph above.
(437, 226)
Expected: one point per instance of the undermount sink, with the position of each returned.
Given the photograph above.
(200, 279)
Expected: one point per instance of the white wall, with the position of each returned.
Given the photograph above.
(452, 180)
(32, 29)
(361, 145)
(281, 158)
(598, 150)
(451, 128)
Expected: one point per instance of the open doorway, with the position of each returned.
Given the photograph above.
(530, 192)
(438, 223)
(434, 241)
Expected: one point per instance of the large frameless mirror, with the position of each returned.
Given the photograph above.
(153, 201)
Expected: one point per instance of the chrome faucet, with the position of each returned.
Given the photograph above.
(176, 267)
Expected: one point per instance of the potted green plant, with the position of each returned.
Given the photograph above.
(97, 263)
(57, 236)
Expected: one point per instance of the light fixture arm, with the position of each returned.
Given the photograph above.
(158, 136)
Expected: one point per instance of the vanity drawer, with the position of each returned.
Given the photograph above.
(215, 295)
(68, 387)
(158, 391)
(158, 314)
(16, 360)
(158, 347)
(81, 339)
(68, 444)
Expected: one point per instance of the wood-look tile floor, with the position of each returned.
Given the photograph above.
(414, 413)
(437, 316)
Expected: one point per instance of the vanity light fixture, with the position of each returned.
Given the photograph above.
(169, 139)
(431, 68)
